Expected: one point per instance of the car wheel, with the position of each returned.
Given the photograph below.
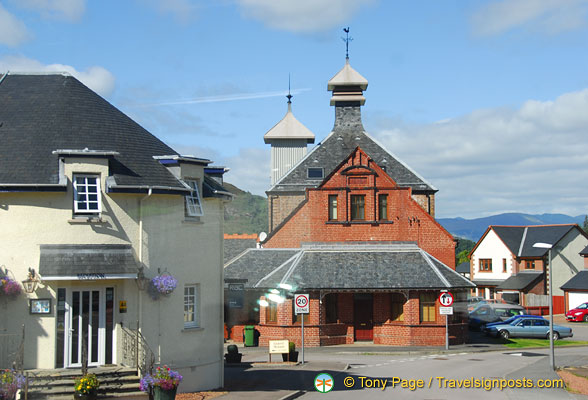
(586, 318)
(504, 334)
(555, 335)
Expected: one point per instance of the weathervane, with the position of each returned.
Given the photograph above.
(289, 95)
(346, 39)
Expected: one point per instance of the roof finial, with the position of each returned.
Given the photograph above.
(346, 39)
(289, 96)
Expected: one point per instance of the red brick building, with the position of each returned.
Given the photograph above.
(354, 227)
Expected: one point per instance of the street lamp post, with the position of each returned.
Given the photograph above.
(549, 272)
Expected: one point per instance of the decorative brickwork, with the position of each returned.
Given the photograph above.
(406, 220)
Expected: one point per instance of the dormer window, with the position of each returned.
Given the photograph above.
(193, 203)
(87, 194)
(315, 173)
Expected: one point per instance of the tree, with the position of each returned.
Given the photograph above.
(462, 256)
(585, 227)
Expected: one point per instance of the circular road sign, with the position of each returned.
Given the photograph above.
(446, 299)
(301, 300)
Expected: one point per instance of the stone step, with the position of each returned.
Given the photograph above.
(105, 381)
(115, 382)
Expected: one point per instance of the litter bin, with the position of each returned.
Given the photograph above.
(249, 333)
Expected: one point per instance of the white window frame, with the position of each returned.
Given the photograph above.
(193, 200)
(85, 193)
(191, 299)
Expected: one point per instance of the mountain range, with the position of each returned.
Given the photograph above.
(473, 229)
(247, 213)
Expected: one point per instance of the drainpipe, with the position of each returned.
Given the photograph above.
(139, 297)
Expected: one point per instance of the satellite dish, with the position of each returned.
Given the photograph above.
(262, 236)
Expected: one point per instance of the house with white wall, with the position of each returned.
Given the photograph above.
(92, 207)
(505, 263)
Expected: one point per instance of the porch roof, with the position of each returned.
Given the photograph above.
(87, 262)
(577, 282)
(520, 281)
(345, 267)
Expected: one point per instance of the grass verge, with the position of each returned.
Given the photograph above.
(518, 343)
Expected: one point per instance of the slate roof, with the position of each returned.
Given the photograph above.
(584, 252)
(71, 259)
(345, 266)
(577, 282)
(513, 236)
(463, 268)
(488, 282)
(520, 281)
(336, 147)
(43, 113)
(234, 247)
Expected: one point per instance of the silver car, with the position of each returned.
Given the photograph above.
(529, 328)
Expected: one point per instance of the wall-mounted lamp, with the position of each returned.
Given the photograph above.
(30, 284)
(141, 279)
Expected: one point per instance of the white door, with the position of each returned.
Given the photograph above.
(85, 320)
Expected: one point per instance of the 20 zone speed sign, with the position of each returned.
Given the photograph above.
(301, 304)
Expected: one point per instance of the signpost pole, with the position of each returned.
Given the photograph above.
(302, 339)
(446, 332)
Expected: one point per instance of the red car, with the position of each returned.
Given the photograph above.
(578, 314)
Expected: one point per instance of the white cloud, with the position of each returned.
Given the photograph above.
(547, 16)
(12, 30)
(530, 159)
(96, 78)
(302, 15)
(249, 169)
(70, 10)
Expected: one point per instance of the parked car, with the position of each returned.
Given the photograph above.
(529, 328)
(488, 313)
(474, 301)
(511, 320)
(578, 314)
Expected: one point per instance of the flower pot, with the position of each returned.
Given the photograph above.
(233, 357)
(293, 356)
(162, 394)
(89, 396)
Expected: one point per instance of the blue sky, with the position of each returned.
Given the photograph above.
(488, 100)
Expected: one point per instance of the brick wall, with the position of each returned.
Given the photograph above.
(426, 201)
(281, 206)
(410, 332)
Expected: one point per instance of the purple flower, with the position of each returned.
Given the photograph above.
(10, 382)
(163, 377)
(9, 286)
(164, 284)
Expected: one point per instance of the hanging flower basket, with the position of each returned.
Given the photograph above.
(9, 287)
(162, 285)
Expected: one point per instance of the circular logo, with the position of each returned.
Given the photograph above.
(324, 383)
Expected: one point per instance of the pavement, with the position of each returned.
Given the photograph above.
(256, 377)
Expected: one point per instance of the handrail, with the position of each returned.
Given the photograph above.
(136, 351)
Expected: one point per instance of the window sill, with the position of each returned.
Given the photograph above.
(358, 222)
(86, 220)
(192, 220)
(193, 329)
